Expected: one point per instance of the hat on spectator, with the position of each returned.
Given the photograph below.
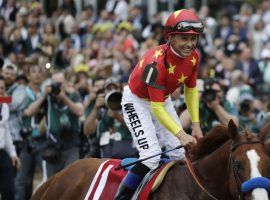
(111, 81)
(236, 17)
(10, 66)
(246, 97)
(124, 25)
(29, 60)
(81, 68)
(23, 11)
(265, 53)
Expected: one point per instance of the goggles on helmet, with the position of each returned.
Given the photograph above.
(188, 26)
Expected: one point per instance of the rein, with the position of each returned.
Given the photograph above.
(193, 173)
(230, 163)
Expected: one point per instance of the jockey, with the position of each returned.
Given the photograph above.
(147, 107)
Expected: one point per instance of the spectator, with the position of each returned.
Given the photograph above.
(236, 36)
(89, 103)
(223, 28)
(139, 22)
(34, 40)
(114, 137)
(63, 109)
(247, 116)
(214, 108)
(238, 87)
(250, 69)
(119, 8)
(258, 38)
(31, 153)
(9, 10)
(8, 155)
(224, 71)
(18, 104)
(263, 116)
(264, 66)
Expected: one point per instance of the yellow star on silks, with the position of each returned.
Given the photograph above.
(141, 63)
(171, 69)
(193, 60)
(176, 13)
(158, 53)
(182, 79)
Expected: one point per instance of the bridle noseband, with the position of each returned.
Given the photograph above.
(231, 163)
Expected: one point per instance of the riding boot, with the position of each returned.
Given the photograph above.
(131, 181)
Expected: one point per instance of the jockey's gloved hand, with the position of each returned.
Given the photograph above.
(185, 138)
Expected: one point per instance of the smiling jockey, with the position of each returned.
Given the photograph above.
(147, 107)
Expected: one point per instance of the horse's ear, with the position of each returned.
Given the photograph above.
(232, 130)
(264, 131)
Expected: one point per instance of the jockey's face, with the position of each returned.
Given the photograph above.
(184, 44)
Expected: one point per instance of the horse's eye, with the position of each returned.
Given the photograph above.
(238, 165)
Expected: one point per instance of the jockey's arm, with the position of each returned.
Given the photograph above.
(164, 117)
(192, 102)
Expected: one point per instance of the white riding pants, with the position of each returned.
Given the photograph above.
(148, 134)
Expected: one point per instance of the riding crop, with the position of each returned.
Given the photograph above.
(140, 160)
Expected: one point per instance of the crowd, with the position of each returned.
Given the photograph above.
(60, 68)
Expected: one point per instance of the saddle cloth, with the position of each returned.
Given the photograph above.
(107, 180)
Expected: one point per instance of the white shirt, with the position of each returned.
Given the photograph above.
(5, 137)
(121, 9)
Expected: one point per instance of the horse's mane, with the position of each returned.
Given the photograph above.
(209, 143)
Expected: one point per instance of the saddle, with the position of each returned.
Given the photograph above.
(107, 180)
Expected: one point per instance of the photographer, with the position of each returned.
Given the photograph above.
(106, 120)
(97, 87)
(63, 109)
(30, 155)
(214, 108)
(247, 117)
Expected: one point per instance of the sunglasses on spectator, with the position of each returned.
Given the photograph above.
(187, 26)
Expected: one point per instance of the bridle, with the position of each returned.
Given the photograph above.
(231, 163)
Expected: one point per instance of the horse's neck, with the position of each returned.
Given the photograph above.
(214, 167)
(211, 171)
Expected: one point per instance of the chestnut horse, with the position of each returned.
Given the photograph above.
(223, 160)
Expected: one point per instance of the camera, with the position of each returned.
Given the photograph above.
(101, 91)
(56, 88)
(113, 100)
(25, 132)
(209, 95)
(245, 106)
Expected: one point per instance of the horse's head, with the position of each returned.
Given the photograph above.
(248, 165)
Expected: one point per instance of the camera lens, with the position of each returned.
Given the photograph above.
(113, 100)
(245, 106)
(56, 88)
(209, 95)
